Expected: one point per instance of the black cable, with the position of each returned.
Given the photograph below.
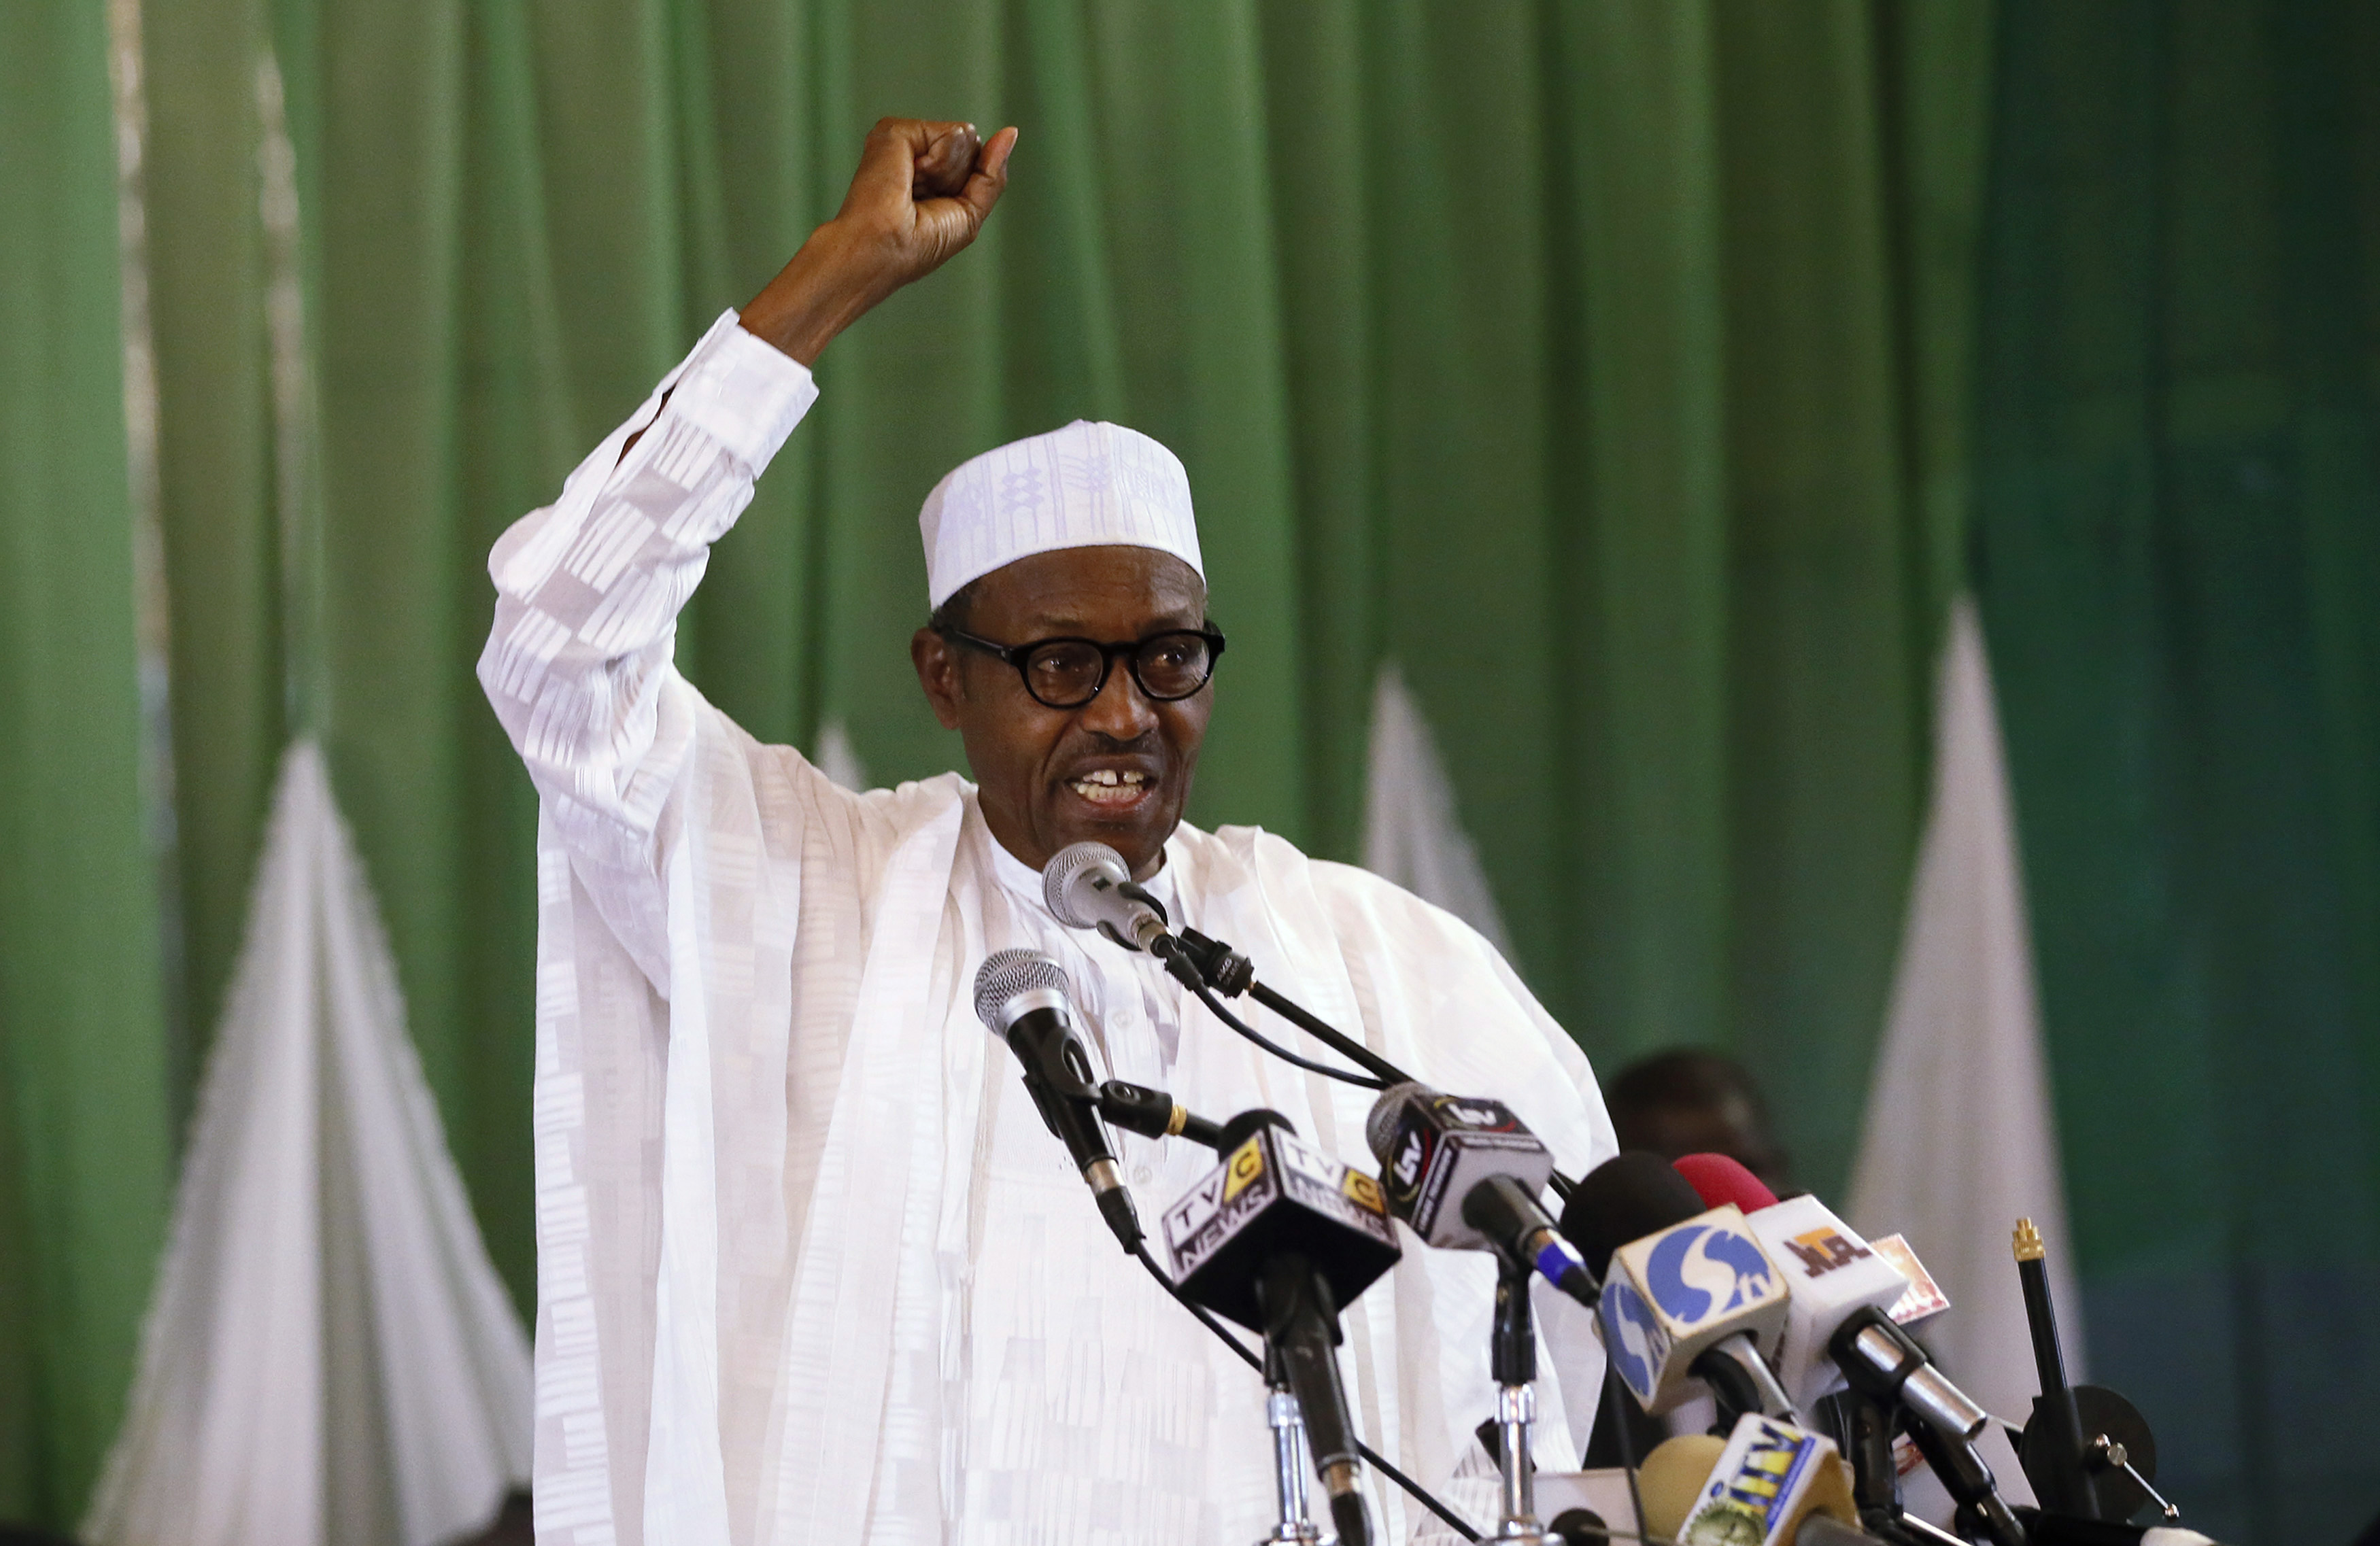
(1617, 1395)
(1371, 1455)
(1197, 985)
(1328, 1034)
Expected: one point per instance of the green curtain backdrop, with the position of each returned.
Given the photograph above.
(2179, 556)
(1564, 354)
(85, 1151)
(1603, 364)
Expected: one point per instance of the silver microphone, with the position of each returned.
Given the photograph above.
(1021, 996)
(1083, 888)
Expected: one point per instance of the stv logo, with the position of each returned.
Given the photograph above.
(1632, 1336)
(1698, 1266)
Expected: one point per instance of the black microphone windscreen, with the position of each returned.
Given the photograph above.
(1380, 1127)
(1625, 1197)
(1246, 1125)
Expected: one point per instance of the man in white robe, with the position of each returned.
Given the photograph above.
(809, 1267)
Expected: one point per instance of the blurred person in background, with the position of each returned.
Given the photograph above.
(1692, 1101)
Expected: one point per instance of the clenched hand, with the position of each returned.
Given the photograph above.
(921, 193)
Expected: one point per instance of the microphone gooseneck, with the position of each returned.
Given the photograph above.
(2054, 1463)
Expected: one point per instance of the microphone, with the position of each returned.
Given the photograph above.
(1465, 1173)
(1276, 1238)
(1885, 1364)
(1830, 1272)
(1687, 1292)
(1021, 996)
(1718, 1178)
(1767, 1483)
(1087, 886)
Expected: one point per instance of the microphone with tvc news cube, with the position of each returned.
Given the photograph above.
(1278, 1238)
(1465, 1173)
(1687, 1292)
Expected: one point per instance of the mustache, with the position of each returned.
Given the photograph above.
(1148, 744)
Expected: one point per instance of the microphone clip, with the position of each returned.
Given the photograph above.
(1217, 966)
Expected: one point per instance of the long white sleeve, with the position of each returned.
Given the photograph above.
(578, 665)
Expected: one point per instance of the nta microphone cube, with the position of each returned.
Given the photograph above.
(1830, 1273)
(1273, 1194)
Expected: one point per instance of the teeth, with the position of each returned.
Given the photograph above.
(1106, 784)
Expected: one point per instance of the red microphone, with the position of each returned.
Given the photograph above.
(1719, 1180)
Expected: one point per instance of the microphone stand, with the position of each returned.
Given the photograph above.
(1512, 1359)
(1289, 1458)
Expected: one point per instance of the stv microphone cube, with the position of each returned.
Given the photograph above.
(1273, 1193)
(1677, 1292)
(1830, 1273)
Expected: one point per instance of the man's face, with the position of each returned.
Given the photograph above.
(1045, 773)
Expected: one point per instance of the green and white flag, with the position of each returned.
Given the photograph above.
(329, 1354)
(1960, 1138)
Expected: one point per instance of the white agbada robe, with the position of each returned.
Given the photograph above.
(810, 1270)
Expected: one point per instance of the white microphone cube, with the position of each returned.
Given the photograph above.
(1829, 1273)
(1669, 1296)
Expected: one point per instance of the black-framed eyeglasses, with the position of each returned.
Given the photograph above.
(1068, 674)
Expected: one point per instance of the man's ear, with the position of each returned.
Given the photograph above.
(938, 673)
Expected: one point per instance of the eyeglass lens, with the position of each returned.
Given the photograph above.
(1065, 673)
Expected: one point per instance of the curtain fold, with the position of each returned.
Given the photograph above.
(85, 1137)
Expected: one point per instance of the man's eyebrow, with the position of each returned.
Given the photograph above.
(1048, 625)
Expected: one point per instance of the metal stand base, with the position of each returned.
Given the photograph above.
(1516, 1409)
(1288, 1468)
(1513, 1357)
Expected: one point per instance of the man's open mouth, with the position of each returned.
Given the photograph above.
(1109, 786)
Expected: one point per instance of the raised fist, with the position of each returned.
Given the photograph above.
(922, 191)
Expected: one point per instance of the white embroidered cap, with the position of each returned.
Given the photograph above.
(1091, 484)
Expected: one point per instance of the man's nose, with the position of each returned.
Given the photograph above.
(1120, 712)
